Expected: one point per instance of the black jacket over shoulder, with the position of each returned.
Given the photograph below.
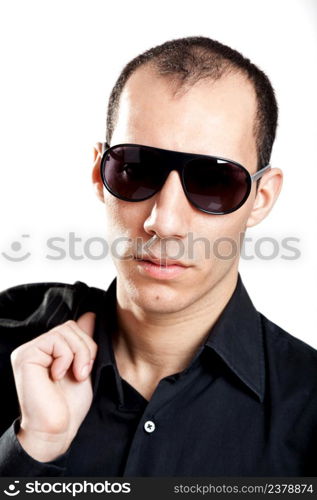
(246, 405)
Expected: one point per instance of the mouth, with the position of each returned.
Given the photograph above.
(162, 262)
(161, 268)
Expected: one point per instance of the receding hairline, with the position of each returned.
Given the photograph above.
(178, 87)
(190, 59)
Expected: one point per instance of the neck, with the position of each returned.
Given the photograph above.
(151, 345)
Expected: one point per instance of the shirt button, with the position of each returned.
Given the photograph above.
(149, 426)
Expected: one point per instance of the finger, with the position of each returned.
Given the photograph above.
(83, 335)
(81, 352)
(49, 351)
(86, 322)
(63, 358)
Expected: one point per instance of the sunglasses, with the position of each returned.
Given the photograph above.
(133, 172)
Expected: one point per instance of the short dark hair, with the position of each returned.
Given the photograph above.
(188, 60)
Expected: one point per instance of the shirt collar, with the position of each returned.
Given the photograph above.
(237, 338)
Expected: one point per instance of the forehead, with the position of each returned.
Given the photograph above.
(210, 117)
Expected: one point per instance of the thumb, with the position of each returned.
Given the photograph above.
(87, 323)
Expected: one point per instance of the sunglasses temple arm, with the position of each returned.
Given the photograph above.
(260, 172)
(105, 146)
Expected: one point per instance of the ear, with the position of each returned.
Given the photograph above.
(268, 190)
(96, 178)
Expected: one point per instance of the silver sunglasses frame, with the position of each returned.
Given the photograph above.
(260, 173)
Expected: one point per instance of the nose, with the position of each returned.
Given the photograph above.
(170, 211)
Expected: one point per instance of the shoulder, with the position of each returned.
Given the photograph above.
(290, 360)
(19, 302)
(29, 309)
(27, 297)
(286, 342)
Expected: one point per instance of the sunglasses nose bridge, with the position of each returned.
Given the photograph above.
(174, 161)
(169, 162)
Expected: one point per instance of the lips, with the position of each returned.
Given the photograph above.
(159, 269)
(164, 262)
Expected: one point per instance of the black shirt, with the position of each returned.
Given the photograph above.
(245, 406)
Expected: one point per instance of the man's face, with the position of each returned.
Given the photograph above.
(212, 118)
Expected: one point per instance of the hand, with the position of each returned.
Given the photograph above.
(53, 382)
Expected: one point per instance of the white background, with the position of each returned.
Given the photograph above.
(59, 61)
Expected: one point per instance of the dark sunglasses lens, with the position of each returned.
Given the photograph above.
(216, 185)
(133, 172)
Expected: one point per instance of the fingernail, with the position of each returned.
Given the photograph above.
(85, 370)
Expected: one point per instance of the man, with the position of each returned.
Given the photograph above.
(172, 371)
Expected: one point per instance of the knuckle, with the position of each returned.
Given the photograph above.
(57, 335)
(18, 352)
(15, 355)
(86, 348)
(59, 339)
(83, 348)
(69, 322)
(83, 337)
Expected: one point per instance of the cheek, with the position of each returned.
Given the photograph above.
(112, 208)
(220, 236)
(123, 217)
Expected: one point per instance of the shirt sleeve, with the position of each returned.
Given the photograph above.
(16, 462)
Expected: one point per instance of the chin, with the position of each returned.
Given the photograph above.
(157, 297)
